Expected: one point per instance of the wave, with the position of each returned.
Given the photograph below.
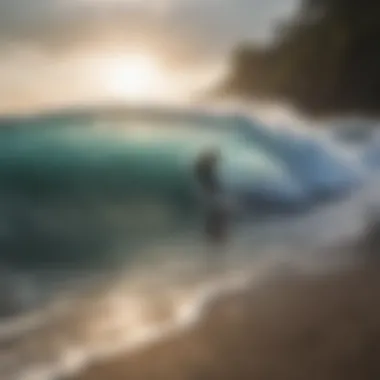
(76, 185)
(101, 245)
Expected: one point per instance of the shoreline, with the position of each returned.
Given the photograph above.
(290, 326)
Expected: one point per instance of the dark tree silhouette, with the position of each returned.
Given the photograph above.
(325, 60)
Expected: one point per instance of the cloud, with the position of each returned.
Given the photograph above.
(44, 43)
(208, 27)
(220, 24)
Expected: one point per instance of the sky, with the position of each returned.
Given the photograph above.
(50, 50)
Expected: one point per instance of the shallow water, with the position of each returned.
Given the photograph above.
(94, 265)
(93, 315)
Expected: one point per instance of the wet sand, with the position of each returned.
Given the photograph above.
(290, 327)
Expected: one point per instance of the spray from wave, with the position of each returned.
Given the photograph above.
(101, 245)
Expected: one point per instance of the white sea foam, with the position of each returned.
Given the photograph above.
(158, 299)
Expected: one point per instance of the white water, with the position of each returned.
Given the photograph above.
(171, 288)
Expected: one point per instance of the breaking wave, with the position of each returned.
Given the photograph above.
(101, 245)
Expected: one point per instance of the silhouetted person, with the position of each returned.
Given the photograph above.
(370, 242)
(216, 218)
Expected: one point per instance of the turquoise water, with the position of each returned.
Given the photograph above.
(112, 185)
(77, 186)
(100, 229)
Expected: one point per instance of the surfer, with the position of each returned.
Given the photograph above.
(217, 215)
(371, 240)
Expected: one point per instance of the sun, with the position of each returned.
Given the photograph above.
(135, 77)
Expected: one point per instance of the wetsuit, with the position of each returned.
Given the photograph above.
(216, 219)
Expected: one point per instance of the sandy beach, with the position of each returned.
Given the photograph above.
(293, 326)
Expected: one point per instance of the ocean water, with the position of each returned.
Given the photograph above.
(101, 239)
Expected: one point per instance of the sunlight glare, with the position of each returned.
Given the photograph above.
(136, 77)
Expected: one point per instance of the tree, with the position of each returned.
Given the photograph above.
(324, 60)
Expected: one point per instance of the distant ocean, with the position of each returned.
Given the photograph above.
(101, 241)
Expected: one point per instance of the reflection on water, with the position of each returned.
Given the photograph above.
(101, 246)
